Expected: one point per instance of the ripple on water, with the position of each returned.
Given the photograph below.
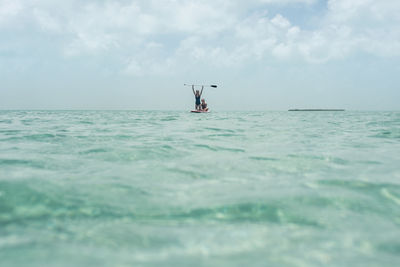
(263, 158)
(377, 197)
(393, 134)
(22, 204)
(21, 163)
(219, 148)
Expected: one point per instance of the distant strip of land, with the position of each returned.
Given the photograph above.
(316, 110)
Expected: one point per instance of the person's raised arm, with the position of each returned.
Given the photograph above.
(201, 90)
(193, 90)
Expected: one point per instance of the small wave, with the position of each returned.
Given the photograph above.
(385, 192)
(206, 147)
(94, 151)
(219, 148)
(370, 162)
(40, 137)
(263, 158)
(86, 122)
(358, 184)
(19, 162)
(247, 212)
(380, 197)
(189, 173)
(387, 135)
(219, 130)
(224, 135)
(26, 204)
(36, 138)
(29, 121)
(231, 149)
(123, 137)
(390, 247)
(335, 160)
(172, 118)
(10, 132)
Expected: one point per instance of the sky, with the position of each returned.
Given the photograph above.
(262, 54)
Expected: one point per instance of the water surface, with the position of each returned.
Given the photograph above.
(151, 188)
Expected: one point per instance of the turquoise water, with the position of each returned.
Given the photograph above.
(130, 188)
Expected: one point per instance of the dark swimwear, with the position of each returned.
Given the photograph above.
(198, 100)
(203, 106)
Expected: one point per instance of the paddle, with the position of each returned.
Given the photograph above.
(213, 86)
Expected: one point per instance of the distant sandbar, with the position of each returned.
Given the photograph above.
(316, 110)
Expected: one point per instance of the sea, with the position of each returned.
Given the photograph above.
(172, 188)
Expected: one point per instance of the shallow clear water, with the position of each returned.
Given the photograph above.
(130, 188)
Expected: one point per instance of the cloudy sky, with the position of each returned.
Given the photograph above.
(137, 54)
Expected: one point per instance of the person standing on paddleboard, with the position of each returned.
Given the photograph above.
(197, 95)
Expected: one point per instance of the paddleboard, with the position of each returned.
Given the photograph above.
(199, 111)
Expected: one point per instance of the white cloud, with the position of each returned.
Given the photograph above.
(280, 21)
(364, 25)
(288, 2)
(46, 21)
(347, 27)
(9, 9)
(365, 10)
(154, 36)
